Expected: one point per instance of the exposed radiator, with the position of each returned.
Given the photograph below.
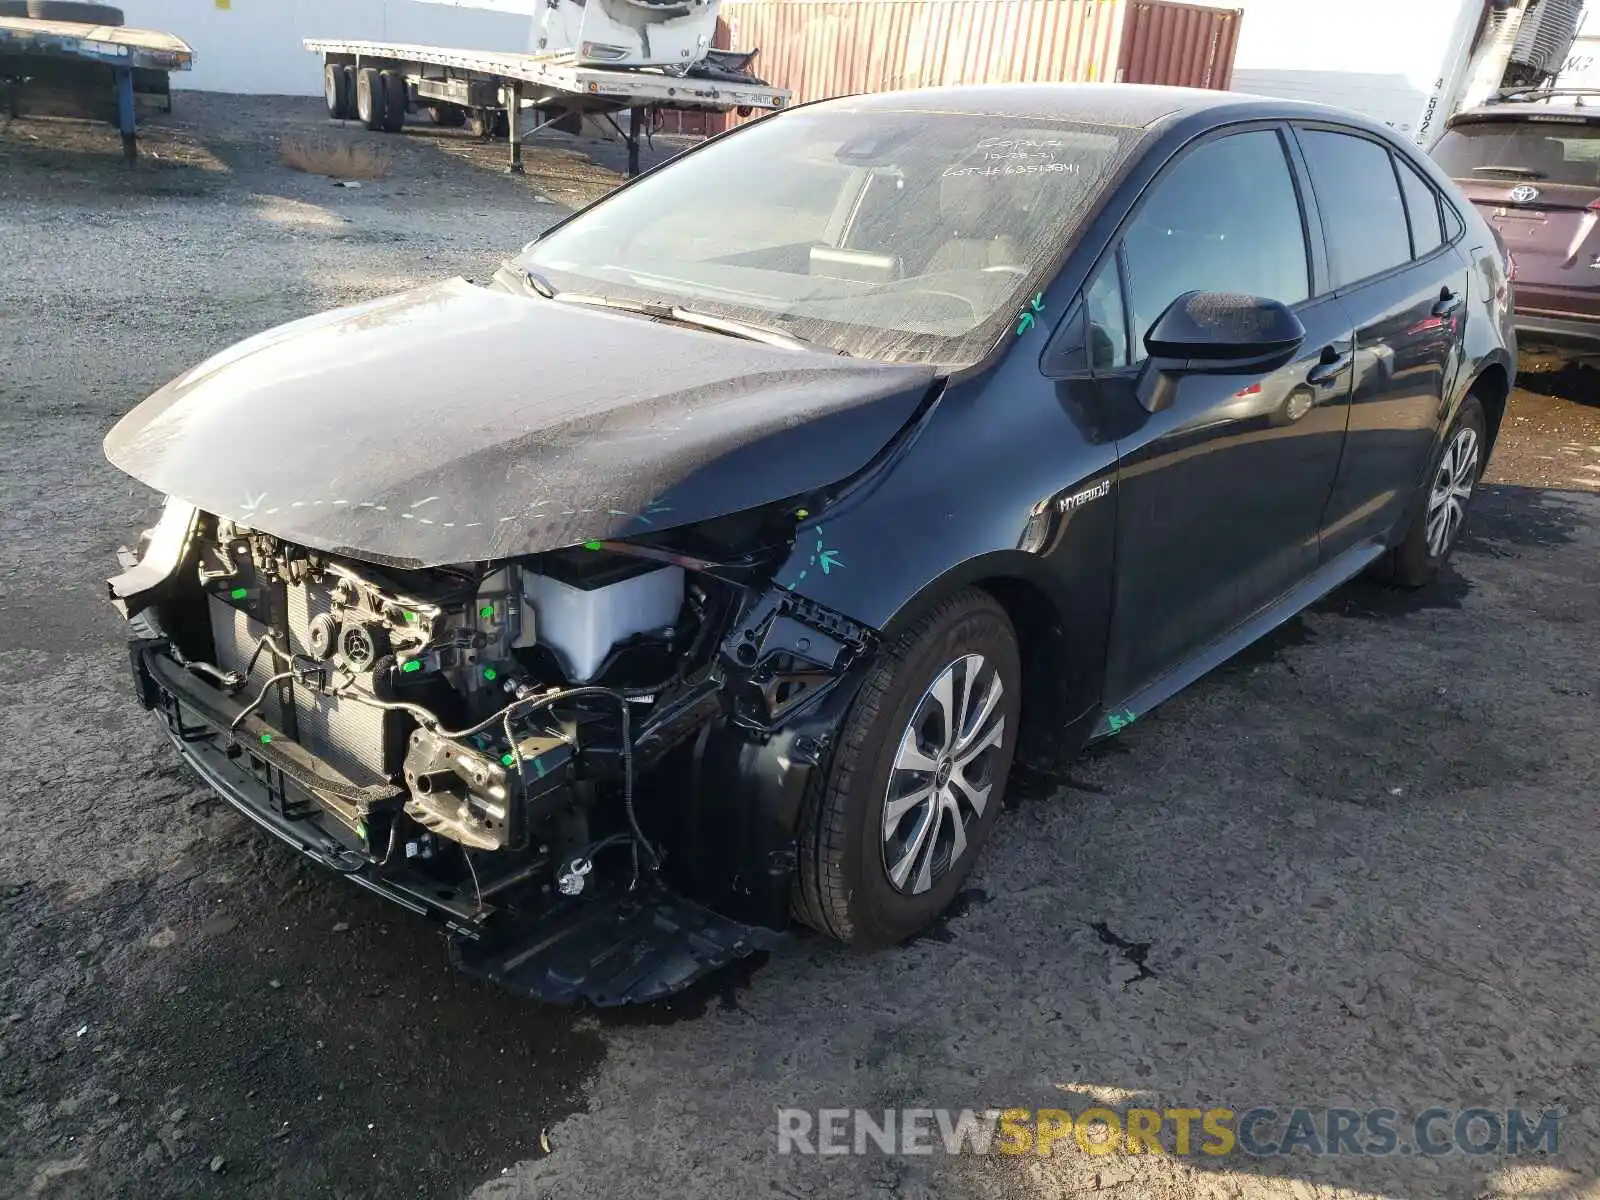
(350, 737)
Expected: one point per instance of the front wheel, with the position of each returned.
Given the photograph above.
(896, 823)
(1432, 534)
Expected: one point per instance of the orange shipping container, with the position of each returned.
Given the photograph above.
(822, 48)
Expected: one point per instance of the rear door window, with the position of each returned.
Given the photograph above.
(1362, 210)
(1531, 151)
(1422, 206)
(1226, 218)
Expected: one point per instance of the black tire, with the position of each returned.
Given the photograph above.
(447, 116)
(396, 98)
(347, 76)
(333, 92)
(1414, 563)
(844, 888)
(370, 99)
(72, 10)
(481, 122)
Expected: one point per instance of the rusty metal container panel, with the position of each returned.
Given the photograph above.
(823, 48)
(1184, 44)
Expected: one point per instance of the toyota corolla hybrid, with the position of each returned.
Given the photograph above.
(710, 566)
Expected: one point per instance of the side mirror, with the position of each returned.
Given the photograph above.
(1215, 333)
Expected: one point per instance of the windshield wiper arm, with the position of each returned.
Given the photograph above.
(534, 282)
(687, 316)
(743, 329)
(531, 281)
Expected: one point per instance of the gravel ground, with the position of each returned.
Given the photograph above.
(1355, 866)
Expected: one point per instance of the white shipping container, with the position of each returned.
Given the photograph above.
(1401, 62)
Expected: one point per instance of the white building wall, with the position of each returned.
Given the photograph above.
(254, 45)
(1383, 58)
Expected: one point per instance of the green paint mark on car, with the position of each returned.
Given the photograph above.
(1027, 318)
(1118, 721)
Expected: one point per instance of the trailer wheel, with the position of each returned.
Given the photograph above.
(481, 123)
(395, 99)
(446, 116)
(333, 91)
(347, 81)
(370, 95)
(72, 10)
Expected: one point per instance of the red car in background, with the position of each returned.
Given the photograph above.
(1529, 160)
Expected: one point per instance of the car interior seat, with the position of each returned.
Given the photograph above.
(980, 216)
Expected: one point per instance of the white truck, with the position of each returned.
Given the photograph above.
(585, 57)
(1409, 64)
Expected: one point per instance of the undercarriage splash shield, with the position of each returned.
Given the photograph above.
(628, 948)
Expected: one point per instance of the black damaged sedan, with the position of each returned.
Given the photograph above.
(709, 567)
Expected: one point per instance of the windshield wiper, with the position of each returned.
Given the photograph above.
(685, 316)
(742, 329)
(1520, 172)
(532, 281)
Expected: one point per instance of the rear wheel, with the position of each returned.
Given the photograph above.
(895, 825)
(395, 101)
(370, 98)
(1450, 486)
(333, 92)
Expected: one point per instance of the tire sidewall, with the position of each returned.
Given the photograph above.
(333, 90)
(370, 86)
(395, 100)
(1471, 413)
(881, 915)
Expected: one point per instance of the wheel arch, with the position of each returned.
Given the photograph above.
(1492, 386)
(1062, 671)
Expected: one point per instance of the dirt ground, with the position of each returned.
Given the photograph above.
(1356, 866)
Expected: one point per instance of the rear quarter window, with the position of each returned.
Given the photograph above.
(1422, 206)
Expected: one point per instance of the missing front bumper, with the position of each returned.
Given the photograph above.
(623, 947)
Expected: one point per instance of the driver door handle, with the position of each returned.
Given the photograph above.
(1332, 366)
(1448, 303)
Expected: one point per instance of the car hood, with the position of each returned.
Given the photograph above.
(455, 423)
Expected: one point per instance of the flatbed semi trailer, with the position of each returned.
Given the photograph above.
(96, 67)
(377, 83)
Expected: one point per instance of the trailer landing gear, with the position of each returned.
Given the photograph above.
(125, 125)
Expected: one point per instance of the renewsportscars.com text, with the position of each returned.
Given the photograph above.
(1259, 1132)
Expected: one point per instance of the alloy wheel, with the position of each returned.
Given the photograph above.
(943, 773)
(1453, 482)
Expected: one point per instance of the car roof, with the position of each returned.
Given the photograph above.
(1135, 105)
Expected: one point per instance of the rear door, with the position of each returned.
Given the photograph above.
(1536, 179)
(1402, 283)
